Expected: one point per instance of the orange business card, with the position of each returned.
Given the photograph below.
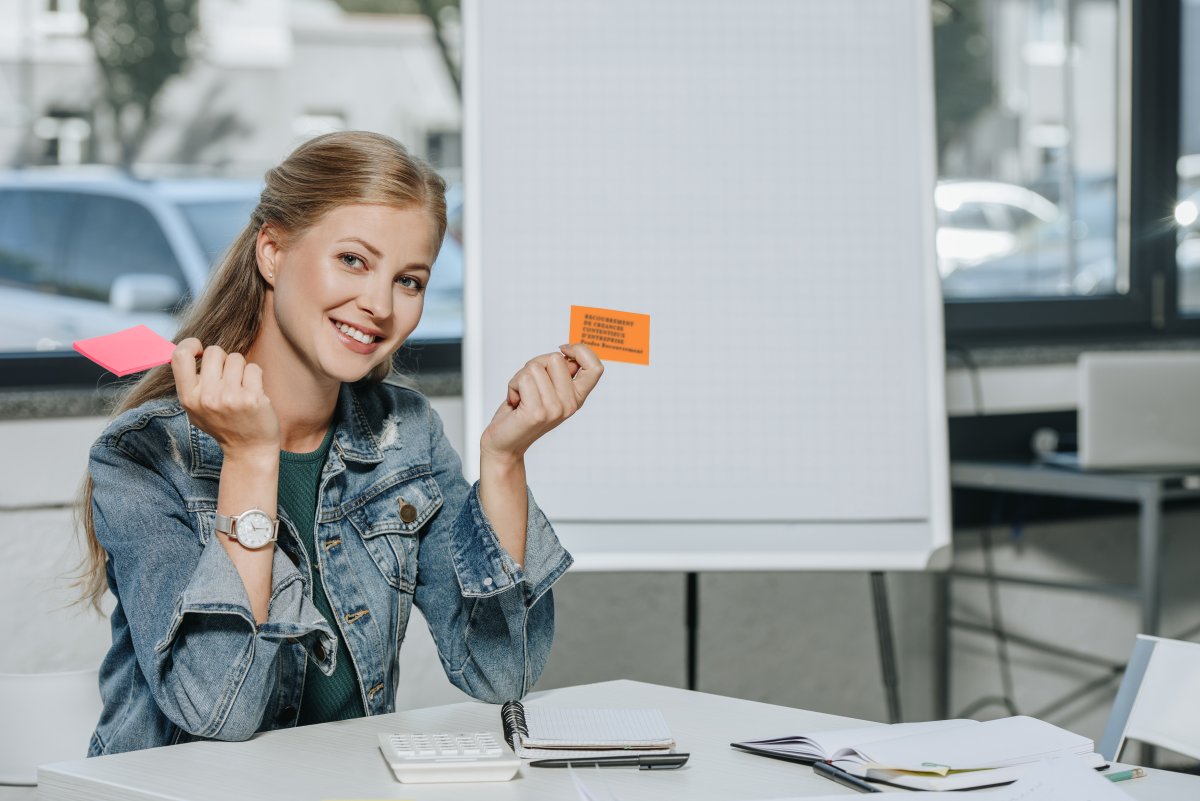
(616, 336)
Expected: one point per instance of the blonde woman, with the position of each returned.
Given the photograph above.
(267, 508)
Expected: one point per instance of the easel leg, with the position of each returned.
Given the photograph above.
(692, 621)
(887, 648)
(941, 611)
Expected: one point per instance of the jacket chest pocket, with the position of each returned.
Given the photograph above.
(390, 524)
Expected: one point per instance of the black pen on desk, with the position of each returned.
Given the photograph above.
(645, 762)
(843, 778)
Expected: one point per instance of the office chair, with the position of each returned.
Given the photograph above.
(1158, 702)
(47, 717)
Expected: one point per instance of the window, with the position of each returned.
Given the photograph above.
(1064, 106)
(1029, 131)
(109, 237)
(32, 233)
(216, 223)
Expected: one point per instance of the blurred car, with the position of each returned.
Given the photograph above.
(1069, 255)
(89, 252)
(983, 220)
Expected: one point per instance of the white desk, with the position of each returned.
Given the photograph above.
(342, 761)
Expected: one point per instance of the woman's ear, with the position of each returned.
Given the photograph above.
(267, 250)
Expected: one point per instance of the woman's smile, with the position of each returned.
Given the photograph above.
(353, 338)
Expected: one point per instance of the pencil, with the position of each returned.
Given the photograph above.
(1135, 773)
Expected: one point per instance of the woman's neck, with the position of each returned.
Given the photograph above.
(303, 402)
(304, 414)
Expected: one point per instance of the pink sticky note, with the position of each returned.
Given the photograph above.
(129, 351)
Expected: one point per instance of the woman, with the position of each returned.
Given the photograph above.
(267, 509)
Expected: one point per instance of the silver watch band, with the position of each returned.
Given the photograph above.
(224, 524)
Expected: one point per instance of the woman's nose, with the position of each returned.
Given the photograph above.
(376, 299)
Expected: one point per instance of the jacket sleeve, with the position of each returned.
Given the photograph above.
(210, 668)
(492, 619)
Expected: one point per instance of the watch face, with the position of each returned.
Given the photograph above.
(254, 529)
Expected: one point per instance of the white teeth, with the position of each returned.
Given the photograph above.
(351, 331)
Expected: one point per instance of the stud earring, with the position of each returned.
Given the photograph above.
(270, 275)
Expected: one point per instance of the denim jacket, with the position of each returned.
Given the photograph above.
(188, 660)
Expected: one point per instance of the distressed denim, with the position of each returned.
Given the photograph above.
(188, 660)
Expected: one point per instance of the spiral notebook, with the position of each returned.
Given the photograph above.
(538, 731)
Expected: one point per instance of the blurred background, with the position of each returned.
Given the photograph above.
(142, 128)
(136, 133)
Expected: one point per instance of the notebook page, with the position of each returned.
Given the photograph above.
(561, 727)
(991, 744)
(823, 744)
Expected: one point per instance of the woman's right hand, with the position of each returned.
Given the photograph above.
(225, 399)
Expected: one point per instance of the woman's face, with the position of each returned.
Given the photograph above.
(349, 291)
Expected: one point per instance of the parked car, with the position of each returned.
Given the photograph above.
(1055, 255)
(89, 252)
(983, 220)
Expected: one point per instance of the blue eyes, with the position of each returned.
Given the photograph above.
(355, 263)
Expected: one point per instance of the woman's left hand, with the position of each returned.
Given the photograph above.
(547, 390)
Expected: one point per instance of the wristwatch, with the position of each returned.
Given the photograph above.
(253, 528)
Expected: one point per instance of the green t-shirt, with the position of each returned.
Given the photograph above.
(325, 698)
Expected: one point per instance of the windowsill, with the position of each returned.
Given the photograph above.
(32, 403)
(1036, 355)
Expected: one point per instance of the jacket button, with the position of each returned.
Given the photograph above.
(408, 512)
(287, 714)
(319, 652)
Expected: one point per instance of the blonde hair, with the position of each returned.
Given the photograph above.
(321, 175)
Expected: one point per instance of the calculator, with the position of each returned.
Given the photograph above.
(448, 757)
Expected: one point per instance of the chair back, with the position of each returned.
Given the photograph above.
(1158, 702)
(47, 717)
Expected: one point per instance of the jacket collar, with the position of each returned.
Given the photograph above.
(352, 438)
(353, 435)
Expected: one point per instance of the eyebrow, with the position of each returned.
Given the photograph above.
(377, 254)
(374, 251)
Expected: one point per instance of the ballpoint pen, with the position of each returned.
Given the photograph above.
(843, 778)
(644, 762)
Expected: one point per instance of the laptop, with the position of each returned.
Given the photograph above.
(1137, 411)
